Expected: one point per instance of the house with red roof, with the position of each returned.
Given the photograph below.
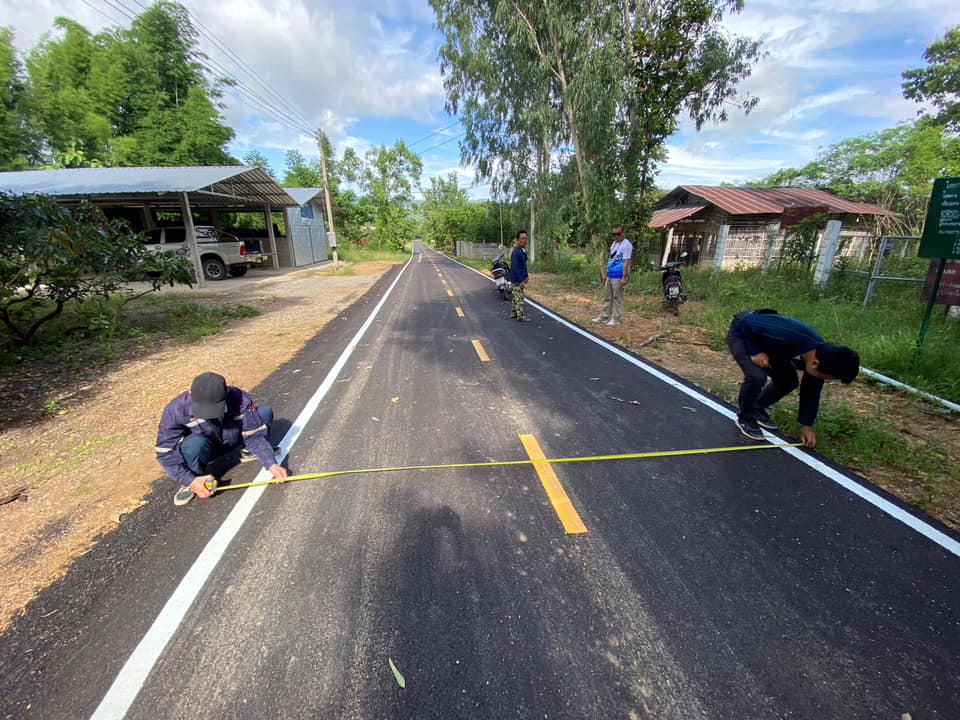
(694, 218)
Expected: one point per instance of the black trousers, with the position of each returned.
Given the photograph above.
(755, 392)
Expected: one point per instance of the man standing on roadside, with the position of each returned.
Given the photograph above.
(518, 275)
(766, 345)
(205, 423)
(615, 278)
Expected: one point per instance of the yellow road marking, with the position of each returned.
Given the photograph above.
(551, 483)
(459, 312)
(450, 293)
(480, 351)
(444, 282)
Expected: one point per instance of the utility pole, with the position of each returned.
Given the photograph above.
(332, 235)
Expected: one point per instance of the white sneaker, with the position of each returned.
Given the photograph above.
(599, 319)
(613, 323)
(182, 496)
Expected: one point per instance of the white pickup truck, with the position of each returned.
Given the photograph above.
(220, 252)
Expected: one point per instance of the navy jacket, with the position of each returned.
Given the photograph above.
(518, 265)
(784, 339)
(241, 427)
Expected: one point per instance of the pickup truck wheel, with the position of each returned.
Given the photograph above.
(238, 270)
(214, 269)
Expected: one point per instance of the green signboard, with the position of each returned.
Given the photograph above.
(941, 231)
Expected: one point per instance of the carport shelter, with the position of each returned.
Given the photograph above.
(139, 194)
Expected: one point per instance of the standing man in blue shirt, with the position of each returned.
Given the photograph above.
(766, 345)
(615, 278)
(518, 275)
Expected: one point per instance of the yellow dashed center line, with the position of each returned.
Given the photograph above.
(480, 351)
(551, 483)
(459, 312)
(444, 282)
(450, 293)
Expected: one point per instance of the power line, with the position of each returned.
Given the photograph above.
(98, 10)
(449, 140)
(288, 106)
(437, 132)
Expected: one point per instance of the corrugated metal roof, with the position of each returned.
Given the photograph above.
(217, 185)
(772, 201)
(668, 216)
(303, 195)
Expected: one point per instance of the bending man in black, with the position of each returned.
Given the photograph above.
(767, 344)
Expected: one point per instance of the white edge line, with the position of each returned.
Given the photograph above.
(891, 509)
(132, 676)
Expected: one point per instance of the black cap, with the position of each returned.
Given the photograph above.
(208, 394)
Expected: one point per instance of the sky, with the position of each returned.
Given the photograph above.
(366, 72)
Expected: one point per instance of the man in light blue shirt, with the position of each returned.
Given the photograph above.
(615, 278)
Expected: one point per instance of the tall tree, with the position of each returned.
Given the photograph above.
(128, 97)
(300, 173)
(939, 82)
(390, 177)
(602, 82)
(16, 141)
(255, 158)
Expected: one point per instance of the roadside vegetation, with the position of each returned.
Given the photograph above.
(908, 446)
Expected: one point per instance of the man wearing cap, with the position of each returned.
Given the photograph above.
(209, 421)
(766, 345)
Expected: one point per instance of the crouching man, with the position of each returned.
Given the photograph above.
(766, 345)
(208, 422)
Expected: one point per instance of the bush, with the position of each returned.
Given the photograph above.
(51, 255)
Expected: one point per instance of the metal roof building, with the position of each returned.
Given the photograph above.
(141, 195)
(751, 221)
(217, 186)
(686, 201)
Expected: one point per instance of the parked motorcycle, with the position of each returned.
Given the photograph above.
(501, 276)
(673, 293)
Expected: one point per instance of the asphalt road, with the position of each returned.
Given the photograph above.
(740, 585)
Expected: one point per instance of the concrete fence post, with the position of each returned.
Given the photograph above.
(721, 248)
(828, 252)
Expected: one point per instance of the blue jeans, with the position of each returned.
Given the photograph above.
(198, 450)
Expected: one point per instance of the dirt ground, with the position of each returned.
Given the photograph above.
(99, 442)
(80, 471)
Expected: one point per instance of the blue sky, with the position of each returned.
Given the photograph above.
(367, 72)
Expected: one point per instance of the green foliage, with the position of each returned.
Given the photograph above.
(255, 158)
(885, 335)
(389, 177)
(599, 86)
(138, 96)
(892, 168)
(939, 83)
(800, 242)
(17, 146)
(51, 255)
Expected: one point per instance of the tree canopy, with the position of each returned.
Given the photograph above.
(939, 82)
(541, 85)
(135, 96)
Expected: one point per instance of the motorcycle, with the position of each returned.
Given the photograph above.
(501, 276)
(673, 293)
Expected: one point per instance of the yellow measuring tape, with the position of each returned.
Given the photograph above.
(509, 463)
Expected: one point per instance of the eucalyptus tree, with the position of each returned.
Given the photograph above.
(390, 176)
(602, 80)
